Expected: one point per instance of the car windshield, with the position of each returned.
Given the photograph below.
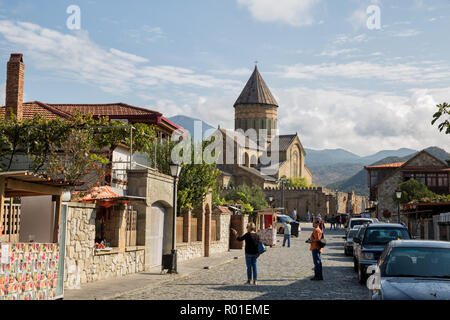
(352, 233)
(417, 262)
(357, 223)
(381, 236)
(285, 219)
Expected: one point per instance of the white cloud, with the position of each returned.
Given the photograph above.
(405, 33)
(293, 12)
(233, 72)
(361, 122)
(401, 72)
(77, 58)
(128, 56)
(336, 52)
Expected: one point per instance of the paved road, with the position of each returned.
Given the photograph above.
(283, 274)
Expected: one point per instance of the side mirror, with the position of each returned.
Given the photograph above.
(356, 240)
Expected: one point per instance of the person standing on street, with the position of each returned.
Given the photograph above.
(316, 251)
(333, 222)
(308, 217)
(322, 225)
(287, 234)
(294, 214)
(251, 239)
(339, 222)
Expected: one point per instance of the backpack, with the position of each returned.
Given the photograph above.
(322, 242)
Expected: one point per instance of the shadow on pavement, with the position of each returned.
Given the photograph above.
(334, 287)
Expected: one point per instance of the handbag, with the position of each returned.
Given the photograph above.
(261, 248)
(322, 242)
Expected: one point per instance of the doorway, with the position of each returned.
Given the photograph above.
(156, 234)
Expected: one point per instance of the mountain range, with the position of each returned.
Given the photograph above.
(358, 182)
(189, 124)
(337, 169)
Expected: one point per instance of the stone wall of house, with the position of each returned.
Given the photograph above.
(386, 190)
(186, 251)
(223, 225)
(316, 200)
(82, 263)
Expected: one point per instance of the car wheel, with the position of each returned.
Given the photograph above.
(347, 253)
(362, 277)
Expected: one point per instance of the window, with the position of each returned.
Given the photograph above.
(431, 180)
(442, 180)
(373, 178)
(420, 177)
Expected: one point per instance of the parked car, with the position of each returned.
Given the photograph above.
(412, 270)
(295, 225)
(356, 244)
(348, 243)
(356, 221)
(372, 242)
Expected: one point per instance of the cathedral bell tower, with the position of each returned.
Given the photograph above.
(256, 108)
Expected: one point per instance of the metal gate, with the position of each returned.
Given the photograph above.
(62, 252)
(237, 223)
(156, 235)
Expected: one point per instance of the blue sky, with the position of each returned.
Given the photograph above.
(338, 83)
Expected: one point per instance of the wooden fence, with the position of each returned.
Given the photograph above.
(179, 229)
(11, 223)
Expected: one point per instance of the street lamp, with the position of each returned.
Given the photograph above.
(376, 207)
(270, 200)
(282, 182)
(175, 170)
(398, 194)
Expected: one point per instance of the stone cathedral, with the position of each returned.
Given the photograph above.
(256, 108)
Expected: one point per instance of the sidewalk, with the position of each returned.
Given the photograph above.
(112, 288)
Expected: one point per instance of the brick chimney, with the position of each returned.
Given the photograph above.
(14, 85)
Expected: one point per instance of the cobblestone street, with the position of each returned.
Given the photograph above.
(283, 274)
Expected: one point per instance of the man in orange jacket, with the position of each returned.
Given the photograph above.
(316, 251)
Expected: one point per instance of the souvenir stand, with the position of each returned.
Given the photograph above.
(31, 270)
(266, 225)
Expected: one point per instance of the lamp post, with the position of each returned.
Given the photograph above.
(175, 170)
(282, 182)
(376, 208)
(398, 194)
(270, 200)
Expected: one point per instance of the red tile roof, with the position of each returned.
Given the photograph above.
(387, 165)
(111, 110)
(108, 109)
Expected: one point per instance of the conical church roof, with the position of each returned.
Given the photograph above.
(256, 91)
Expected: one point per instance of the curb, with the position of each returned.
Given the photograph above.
(165, 281)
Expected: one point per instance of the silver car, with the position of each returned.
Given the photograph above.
(412, 270)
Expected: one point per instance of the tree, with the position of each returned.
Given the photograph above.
(415, 191)
(443, 114)
(251, 198)
(196, 180)
(298, 182)
(69, 150)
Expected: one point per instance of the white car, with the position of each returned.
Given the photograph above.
(360, 221)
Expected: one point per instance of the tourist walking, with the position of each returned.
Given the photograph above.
(333, 222)
(308, 217)
(294, 214)
(322, 225)
(316, 251)
(287, 234)
(339, 221)
(251, 239)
